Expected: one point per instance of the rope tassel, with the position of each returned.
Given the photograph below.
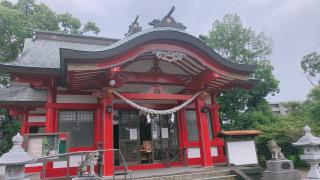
(172, 117)
(157, 112)
(148, 118)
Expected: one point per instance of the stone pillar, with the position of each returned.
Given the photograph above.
(108, 162)
(311, 152)
(15, 160)
(203, 132)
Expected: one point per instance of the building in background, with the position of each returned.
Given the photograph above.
(279, 108)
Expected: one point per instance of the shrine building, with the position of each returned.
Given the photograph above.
(151, 94)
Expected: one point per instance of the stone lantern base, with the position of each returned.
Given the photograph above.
(13, 172)
(281, 170)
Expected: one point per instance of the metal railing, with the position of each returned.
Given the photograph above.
(66, 157)
(181, 152)
(234, 169)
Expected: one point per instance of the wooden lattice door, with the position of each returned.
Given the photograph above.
(129, 136)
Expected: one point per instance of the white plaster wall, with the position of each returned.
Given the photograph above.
(195, 152)
(36, 118)
(34, 165)
(66, 98)
(214, 151)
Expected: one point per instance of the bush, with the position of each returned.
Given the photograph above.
(8, 128)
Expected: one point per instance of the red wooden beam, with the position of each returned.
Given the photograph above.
(35, 124)
(150, 78)
(71, 105)
(150, 96)
(153, 106)
(35, 80)
(15, 112)
(203, 79)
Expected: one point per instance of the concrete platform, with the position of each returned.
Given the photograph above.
(185, 173)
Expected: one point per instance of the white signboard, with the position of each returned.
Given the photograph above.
(165, 132)
(242, 153)
(133, 134)
(36, 144)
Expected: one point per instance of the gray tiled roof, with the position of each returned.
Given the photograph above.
(43, 53)
(21, 92)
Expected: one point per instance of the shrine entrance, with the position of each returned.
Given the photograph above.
(143, 142)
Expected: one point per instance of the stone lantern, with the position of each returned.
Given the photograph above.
(311, 152)
(15, 160)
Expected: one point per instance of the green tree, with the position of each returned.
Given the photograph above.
(71, 24)
(8, 128)
(14, 21)
(16, 18)
(239, 44)
(311, 66)
(312, 104)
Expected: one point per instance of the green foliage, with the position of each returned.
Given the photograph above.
(72, 25)
(91, 26)
(69, 23)
(8, 128)
(311, 66)
(15, 18)
(12, 33)
(14, 21)
(312, 104)
(286, 129)
(239, 44)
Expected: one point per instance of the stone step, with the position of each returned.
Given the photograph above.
(205, 175)
(228, 177)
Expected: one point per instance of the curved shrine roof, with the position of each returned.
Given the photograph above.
(46, 52)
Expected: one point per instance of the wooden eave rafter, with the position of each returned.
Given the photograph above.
(202, 72)
(35, 80)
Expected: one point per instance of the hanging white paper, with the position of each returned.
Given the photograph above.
(164, 132)
(154, 134)
(133, 134)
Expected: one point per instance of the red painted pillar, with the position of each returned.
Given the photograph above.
(216, 121)
(50, 113)
(51, 98)
(24, 121)
(182, 135)
(203, 132)
(97, 123)
(107, 135)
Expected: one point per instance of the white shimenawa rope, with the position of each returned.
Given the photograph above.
(153, 111)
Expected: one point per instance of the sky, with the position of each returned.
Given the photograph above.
(294, 26)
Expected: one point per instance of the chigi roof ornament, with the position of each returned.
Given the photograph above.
(168, 21)
(134, 27)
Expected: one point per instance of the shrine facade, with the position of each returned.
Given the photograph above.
(152, 95)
